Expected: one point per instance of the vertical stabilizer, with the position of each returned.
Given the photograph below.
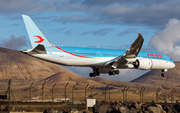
(35, 35)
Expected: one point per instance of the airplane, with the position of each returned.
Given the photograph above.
(106, 61)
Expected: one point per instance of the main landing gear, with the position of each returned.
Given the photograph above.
(163, 72)
(95, 72)
(113, 72)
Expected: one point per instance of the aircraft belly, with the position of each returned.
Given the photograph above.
(72, 61)
(95, 61)
(48, 57)
(80, 62)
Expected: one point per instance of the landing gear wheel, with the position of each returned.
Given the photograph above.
(163, 74)
(113, 73)
(97, 74)
(117, 72)
(91, 74)
(94, 74)
(110, 73)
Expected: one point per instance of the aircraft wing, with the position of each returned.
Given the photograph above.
(132, 52)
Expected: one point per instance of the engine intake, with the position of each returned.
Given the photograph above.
(143, 63)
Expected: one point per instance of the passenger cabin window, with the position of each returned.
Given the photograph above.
(111, 55)
(78, 53)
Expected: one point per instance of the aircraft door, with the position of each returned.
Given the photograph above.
(98, 54)
(61, 55)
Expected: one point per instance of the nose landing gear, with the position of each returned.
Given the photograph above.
(163, 72)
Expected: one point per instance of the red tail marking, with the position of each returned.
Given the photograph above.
(40, 39)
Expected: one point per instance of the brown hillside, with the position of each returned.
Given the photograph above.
(66, 77)
(23, 68)
(172, 77)
(72, 78)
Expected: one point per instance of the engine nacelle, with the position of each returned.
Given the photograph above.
(143, 63)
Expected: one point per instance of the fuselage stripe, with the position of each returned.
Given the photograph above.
(71, 53)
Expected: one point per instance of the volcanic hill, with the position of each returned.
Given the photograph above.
(23, 68)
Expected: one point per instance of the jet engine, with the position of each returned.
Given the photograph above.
(143, 63)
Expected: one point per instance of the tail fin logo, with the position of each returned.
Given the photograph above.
(40, 39)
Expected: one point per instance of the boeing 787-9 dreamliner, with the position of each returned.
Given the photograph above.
(100, 60)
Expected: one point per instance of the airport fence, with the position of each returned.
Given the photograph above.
(43, 97)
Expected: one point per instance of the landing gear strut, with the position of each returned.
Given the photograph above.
(113, 72)
(95, 72)
(163, 72)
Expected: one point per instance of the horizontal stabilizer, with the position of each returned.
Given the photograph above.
(39, 49)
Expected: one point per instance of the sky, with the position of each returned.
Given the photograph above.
(112, 24)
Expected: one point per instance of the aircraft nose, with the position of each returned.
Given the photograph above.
(172, 65)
